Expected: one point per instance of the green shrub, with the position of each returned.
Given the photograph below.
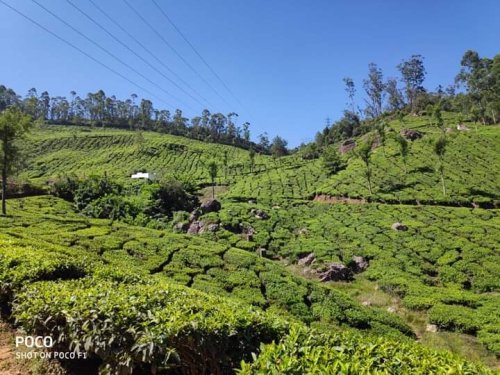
(146, 326)
(455, 318)
(170, 196)
(306, 351)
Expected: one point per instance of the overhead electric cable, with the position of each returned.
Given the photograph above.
(83, 52)
(132, 51)
(145, 48)
(108, 52)
(196, 52)
(174, 50)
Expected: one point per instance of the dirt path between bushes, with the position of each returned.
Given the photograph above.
(8, 363)
(331, 199)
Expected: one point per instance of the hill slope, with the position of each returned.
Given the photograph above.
(441, 270)
(106, 290)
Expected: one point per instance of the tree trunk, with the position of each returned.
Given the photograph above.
(443, 185)
(4, 189)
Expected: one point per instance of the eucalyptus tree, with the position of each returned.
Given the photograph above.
(440, 150)
(413, 75)
(212, 172)
(404, 151)
(246, 131)
(278, 147)
(350, 88)
(375, 88)
(251, 158)
(381, 132)
(364, 152)
(395, 99)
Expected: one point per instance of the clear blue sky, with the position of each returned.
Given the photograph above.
(283, 59)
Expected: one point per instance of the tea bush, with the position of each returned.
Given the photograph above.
(311, 352)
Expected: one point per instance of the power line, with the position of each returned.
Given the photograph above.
(196, 51)
(135, 53)
(108, 52)
(83, 52)
(143, 47)
(174, 50)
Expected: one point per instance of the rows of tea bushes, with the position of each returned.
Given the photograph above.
(446, 262)
(121, 153)
(286, 178)
(146, 326)
(123, 304)
(196, 262)
(471, 164)
(471, 167)
(306, 352)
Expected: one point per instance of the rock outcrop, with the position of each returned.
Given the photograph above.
(399, 227)
(358, 264)
(347, 146)
(336, 272)
(411, 134)
(259, 214)
(307, 260)
(211, 205)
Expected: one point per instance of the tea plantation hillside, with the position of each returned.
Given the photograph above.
(127, 296)
(298, 270)
(57, 150)
(444, 265)
(471, 163)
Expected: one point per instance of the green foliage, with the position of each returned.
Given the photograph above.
(169, 196)
(458, 318)
(13, 127)
(470, 161)
(364, 152)
(404, 150)
(332, 161)
(444, 267)
(146, 326)
(20, 265)
(440, 147)
(311, 352)
(93, 188)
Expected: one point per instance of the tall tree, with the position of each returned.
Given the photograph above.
(481, 77)
(404, 150)
(365, 152)
(264, 141)
(13, 126)
(374, 87)
(395, 100)
(212, 172)
(31, 105)
(331, 160)
(350, 88)
(440, 150)
(145, 113)
(246, 131)
(251, 158)
(8, 97)
(413, 75)
(278, 147)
